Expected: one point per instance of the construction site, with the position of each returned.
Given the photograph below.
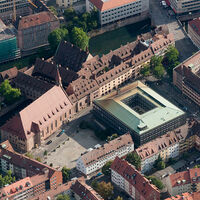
(25, 26)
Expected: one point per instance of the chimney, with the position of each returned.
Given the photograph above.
(46, 172)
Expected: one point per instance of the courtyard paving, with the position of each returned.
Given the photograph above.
(67, 153)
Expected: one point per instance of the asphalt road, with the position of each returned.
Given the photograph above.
(182, 42)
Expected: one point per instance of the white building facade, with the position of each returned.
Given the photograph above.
(166, 146)
(95, 159)
(112, 11)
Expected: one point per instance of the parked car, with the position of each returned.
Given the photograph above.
(61, 132)
(99, 174)
(49, 142)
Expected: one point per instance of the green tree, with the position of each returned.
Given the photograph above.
(45, 153)
(1, 181)
(159, 71)
(53, 10)
(105, 190)
(29, 154)
(63, 197)
(155, 61)
(5, 87)
(172, 54)
(134, 159)
(119, 198)
(56, 36)
(145, 70)
(66, 174)
(106, 168)
(155, 181)
(38, 159)
(7, 179)
(94, 184)
(159, 163)
(79, 38)
(171, 59)
(10, 94)
(69, 14)
(112, 137)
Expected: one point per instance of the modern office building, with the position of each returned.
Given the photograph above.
(8, 43)
(137, 109)
(7, 7)
(131, 181)
(186, 77)
(111, 11)
(184, 6)
(94, 159)
(194, 31)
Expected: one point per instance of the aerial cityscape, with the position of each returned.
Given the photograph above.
(99, 100)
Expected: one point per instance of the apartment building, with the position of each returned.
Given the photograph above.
(186, 77)
(94, 159)
(166, 146)
(100, 75)
(132, 181)
(34, 29)
(111, 11)
(35, 177)
(194, 31)
(184, 6)
(82, 191)
(137, 109)
(65, 3)
(181, 182)
(31, 126)
(6, 8)
(188, 196)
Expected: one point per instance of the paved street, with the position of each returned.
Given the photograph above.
(168, 91)
(182, 42)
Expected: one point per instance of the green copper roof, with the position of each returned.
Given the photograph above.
(163, 112)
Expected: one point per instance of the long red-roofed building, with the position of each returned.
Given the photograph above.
(31, 126)
(132, 181)
(115, 10)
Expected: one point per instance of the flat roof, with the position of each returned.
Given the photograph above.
(162, 112)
